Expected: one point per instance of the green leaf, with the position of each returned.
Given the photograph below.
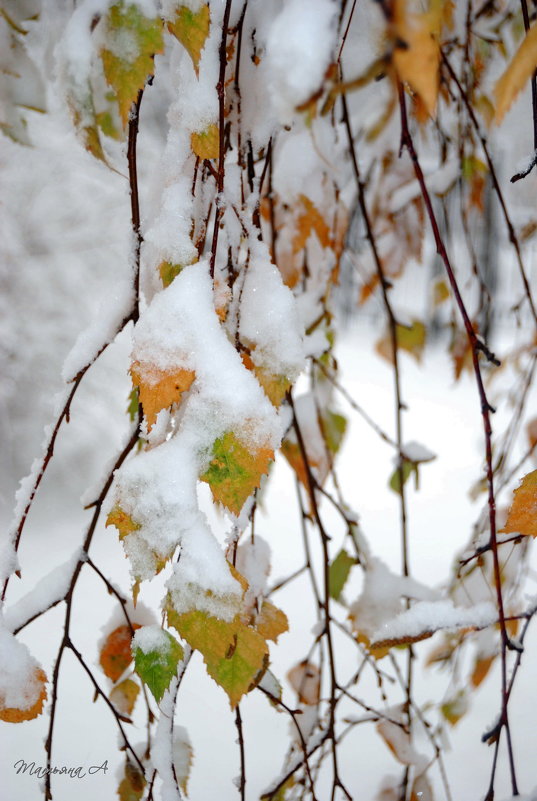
(338, 573)
(235, 472)
(157, 666)
(335, 426)
(131, 42)
(408, 469)
(134, 404)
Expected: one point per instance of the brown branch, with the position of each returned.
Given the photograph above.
(135, 202)
(476, 346)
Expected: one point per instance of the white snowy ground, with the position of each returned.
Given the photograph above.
(444, 417)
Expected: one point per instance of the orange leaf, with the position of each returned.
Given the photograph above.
(116, 656)
(15, 715)
(522, 516)
(159, 389)
(310, 221)
(481, 668)
(122, 521)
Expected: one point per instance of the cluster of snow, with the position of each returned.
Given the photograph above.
(430, 616)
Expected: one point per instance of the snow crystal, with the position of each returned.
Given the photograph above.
(150, 638)
(430, 616)
(299, 49)
(48, 591)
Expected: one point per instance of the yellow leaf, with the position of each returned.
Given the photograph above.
(522, 516)
(124, 696)
(206, 144)
(517, 74)
(416, 54)
(122, 521)
(235, 472)
(132, 40)
(410, 338)
(454, 709)
(191, 28)
(15, 715)
(275, 387)
(116, 656)
(271, 622)
(159, 389)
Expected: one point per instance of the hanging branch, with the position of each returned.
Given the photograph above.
(476, 347)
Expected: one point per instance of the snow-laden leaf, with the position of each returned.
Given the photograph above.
(183, 756)
(156, 657)
(131, 42)
(517, 74)
(132, 785)
(31, 697)
(115, 656)
(416, 55)
(191, 28)
(397, 738)
(522, 516)
(168, 271)
(124, 696)
(338, 573)
(206, 144)
(159, 389)
(122, 521)
(235, 472)
(275, 387)
(305, 679)
(424, 618)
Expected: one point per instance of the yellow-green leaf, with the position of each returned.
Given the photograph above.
(338, 573)
(124, 696)
(522, 516)
(132, 40)
(416, 55)
(516, 75)
(191, 28)
(235, 654)
(234, 472)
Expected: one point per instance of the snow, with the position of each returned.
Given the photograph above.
(48, 591)
(272, 330)
(415, 452)
(431, 616)
(299, 48)
(150, 638)
(20, 687)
